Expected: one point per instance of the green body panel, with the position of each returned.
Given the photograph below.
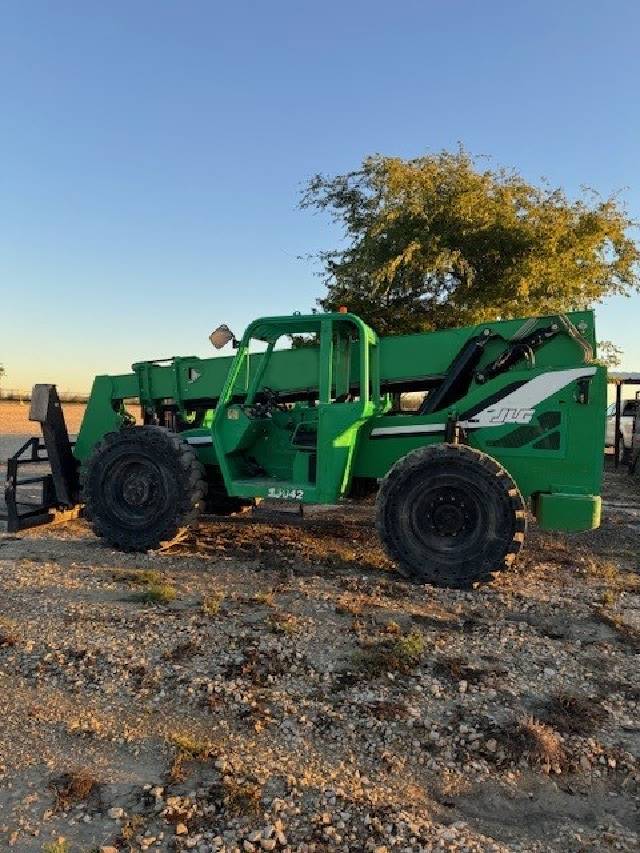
(104, 412)
(530, 455)
(542, 418)
(568, 512)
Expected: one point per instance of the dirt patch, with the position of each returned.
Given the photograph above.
(335, 540)
(14, 417)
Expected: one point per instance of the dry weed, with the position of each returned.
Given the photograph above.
(61, 845)
(573, 714)
(74, 787)
(191, 745)
(212, 603)
(401, 654)
(163, 593)
(241, 799)
(534, 741)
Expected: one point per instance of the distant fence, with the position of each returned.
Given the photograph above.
(18, 394)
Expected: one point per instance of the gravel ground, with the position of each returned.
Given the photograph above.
(268, 685)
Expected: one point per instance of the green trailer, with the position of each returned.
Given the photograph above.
(509, 421)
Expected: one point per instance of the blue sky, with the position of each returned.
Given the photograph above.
(152, 152)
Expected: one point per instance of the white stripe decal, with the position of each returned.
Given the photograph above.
(518, 407)
(413, 430)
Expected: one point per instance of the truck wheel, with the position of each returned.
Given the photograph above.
(450, 516)
(141, 486)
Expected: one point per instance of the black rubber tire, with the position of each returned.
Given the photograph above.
(450, 516)
(141, 486)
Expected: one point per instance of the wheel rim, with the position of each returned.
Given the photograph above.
(135, 490)
(448, 515)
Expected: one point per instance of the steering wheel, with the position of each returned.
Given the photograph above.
(265, 407)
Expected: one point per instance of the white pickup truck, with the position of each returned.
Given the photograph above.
(627, 419)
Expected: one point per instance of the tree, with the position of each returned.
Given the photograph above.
(609, 354)
(437, 242)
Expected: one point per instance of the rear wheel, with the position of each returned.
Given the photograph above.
(141, 486)
(450, 516)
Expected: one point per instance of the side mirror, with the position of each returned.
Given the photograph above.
(221, 336)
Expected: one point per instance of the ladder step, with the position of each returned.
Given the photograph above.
(278, 507)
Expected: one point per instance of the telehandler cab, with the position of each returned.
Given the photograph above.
(511, 412)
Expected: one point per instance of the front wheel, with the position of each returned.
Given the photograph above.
(450, 516)
(141, 486)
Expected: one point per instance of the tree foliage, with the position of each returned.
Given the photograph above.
(437, 242)
(609, 354)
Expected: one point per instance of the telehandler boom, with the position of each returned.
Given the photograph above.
(511, 412)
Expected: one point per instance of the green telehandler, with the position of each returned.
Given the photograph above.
(509, 421)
